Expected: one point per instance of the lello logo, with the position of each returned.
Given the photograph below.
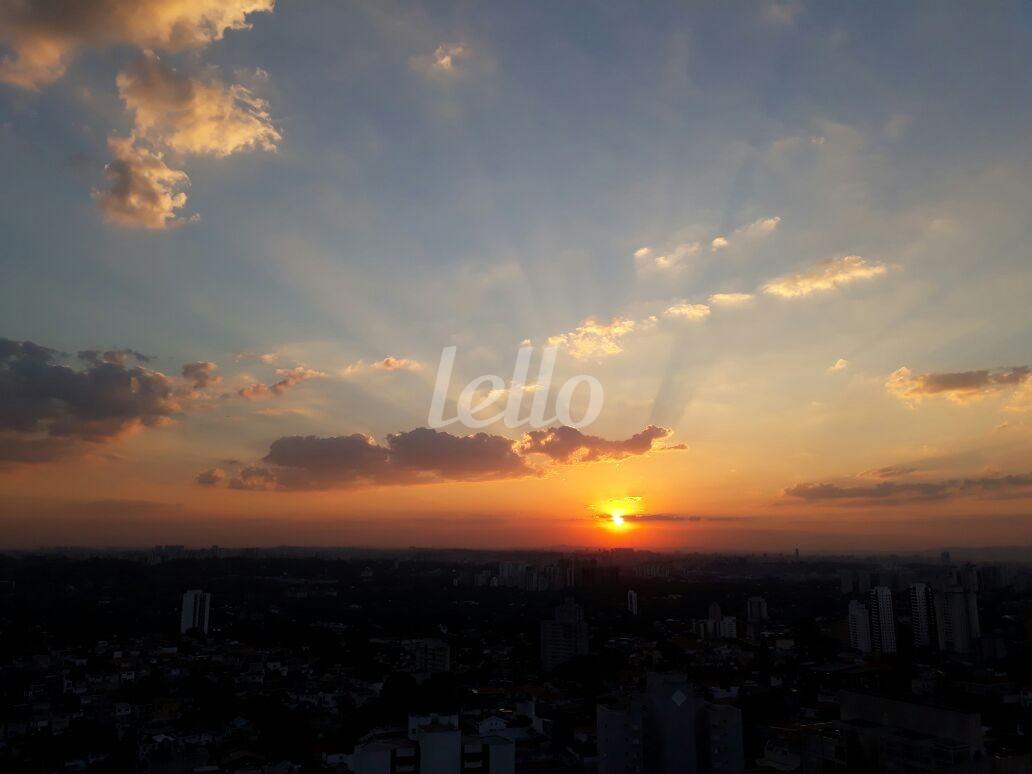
(489, 390)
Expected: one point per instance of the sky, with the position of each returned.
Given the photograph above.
(790, 241)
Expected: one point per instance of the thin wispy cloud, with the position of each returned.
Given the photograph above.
(826, 276)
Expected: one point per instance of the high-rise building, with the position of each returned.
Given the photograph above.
(714, 613)
(883, 620)
(956, 618)
(632, 602)
(669, 729)
(722, 731)
(859, 627)
(727, 629)
(196, 606)
(428, 655)
(564, 637)
(922, 614)
(756, 610)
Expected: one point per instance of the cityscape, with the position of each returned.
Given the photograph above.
(610, 661)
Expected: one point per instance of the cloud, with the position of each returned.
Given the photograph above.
(685, 311)
(593, 339)
(730, 299)
(291, 378)
(116, 356)
(893, 492)
(211, 477)
(201, 374)
(719, 243)
(194, 115)
(839, 365)
(781, 14)
(388, 364)
(47, 408)
(143, 192)
(45, 35)
(567, 444)
(647, 259)
(889, 471)
(424, 456)
(959, 387)
(417, 456)
(827, 275)
(444, 61)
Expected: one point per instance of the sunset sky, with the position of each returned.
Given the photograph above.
(792, 241)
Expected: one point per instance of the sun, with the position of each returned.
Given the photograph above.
(615, 514)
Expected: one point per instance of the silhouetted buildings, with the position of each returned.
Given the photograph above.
(565, 636)
(668, 729)
(196, 608)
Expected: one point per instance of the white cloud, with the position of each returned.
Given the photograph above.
(827, 275)
(686, 311)
(730, 299)
(593, 339)
(143, 191)
(194, 115)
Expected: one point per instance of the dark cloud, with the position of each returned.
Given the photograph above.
(424, 456)
(960, 386)
(44, 405)
(890, 492)
(667, 517)
(566, 444)
(17, 449)
(114, 356)
(889, 471)
(201, 374)
(211, 476)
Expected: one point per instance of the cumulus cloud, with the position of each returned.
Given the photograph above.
(42, 400)
(719, 243)
(567, 444)
(194, 115)
(959, 387)
(730, 299)
(839, 365)
(417, 456)
(592, 339)
(143, 191)
(45, 35)
(893, 492)
(424, 456)
(291, 378)
(201, 374)
(211, 477)
(827, 275)
(686, 311)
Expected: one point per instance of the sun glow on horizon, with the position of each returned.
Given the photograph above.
(617, 510)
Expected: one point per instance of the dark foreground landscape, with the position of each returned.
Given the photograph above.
(174, 660)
